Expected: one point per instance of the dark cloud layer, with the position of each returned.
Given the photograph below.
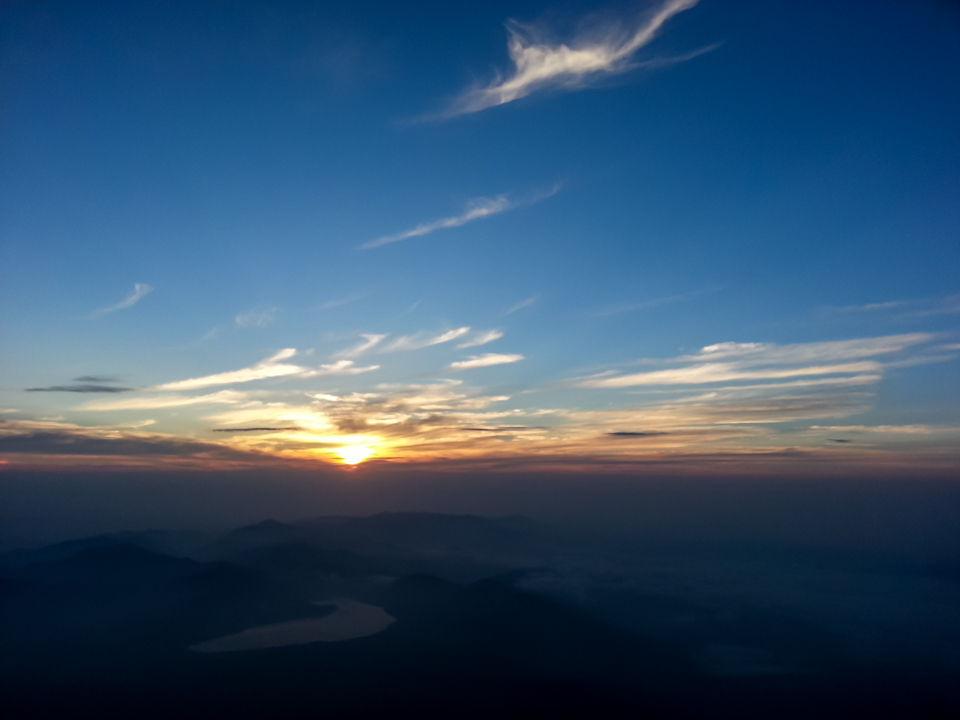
(86, 388)
(61, 442)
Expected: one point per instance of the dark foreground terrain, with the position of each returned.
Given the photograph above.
(492, 618)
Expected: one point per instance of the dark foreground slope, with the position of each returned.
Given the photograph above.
(492, 618)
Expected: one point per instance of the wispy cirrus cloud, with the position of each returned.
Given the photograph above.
(720, 372)
(339, 302)
(657, 302)
(869, 307)
(340, 367)
(941, 306)
(255, 318)
(539, 64)
(481, 339)
(757, 353)
(732, 361)
(905, 309)
(140, 290)
(422, 340)
(525, 303)
(158, 402)
(906, 429)
(476, 209)
(369, 342)
(271, 367)
(486, 360)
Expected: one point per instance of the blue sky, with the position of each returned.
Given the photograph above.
(758, 201)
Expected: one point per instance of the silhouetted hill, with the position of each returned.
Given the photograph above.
(166, 542)
(266, 530)
(119, 564)
(233, 544)
(523, 635)
(58, 551)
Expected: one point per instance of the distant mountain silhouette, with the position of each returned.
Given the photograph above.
(159, 541)
(296, 558)
(493, 618)
(431, 532)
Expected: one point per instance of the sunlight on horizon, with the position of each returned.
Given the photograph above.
(354, 454)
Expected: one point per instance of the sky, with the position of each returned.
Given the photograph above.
(678, 237)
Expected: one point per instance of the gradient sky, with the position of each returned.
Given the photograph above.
(698, 237)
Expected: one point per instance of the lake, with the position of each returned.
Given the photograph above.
(350, 620)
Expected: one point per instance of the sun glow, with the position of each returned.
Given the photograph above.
(354, 454)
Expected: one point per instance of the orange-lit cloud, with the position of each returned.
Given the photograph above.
(747, 402)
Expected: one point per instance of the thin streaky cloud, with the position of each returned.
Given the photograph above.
(914, 308)
(909, 429)
(944, 306)
(369, 341)
(481, 339)
(341, 367)
(418, 341)
(765, 388)
(225, 397)
(721, 372)
(539, 65)
(476, 209)
(657, 302)
(140, 290)
(478, 361)
(341, 301)
(255, 318)
(869, 307)
(921, 360)
(271, 367)
(138, 424)
(523, 304)
(764, 353)
(410, 309)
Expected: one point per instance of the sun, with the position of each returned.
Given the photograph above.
(354, 454)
